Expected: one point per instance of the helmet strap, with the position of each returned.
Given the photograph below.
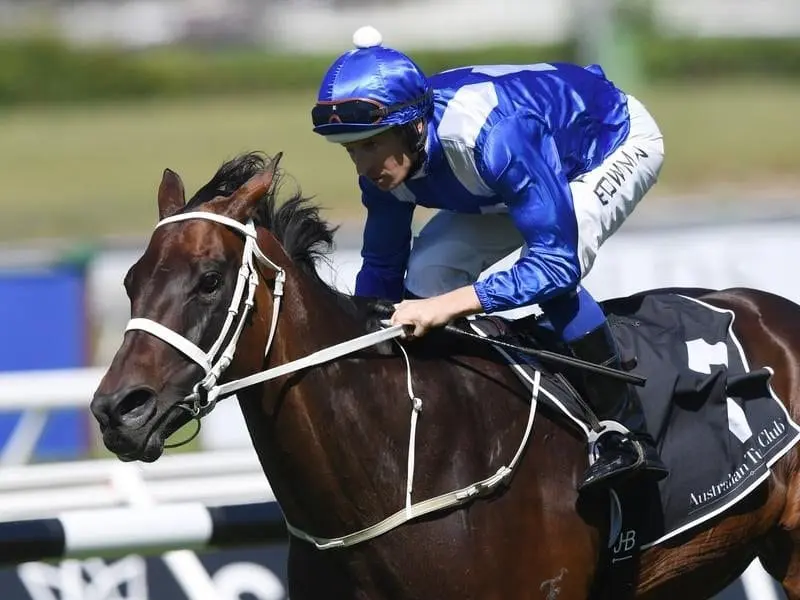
(415, 138)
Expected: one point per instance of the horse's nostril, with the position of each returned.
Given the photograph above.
(135, 403)
(130, 407)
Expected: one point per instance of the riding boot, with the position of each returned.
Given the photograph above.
(619, 455)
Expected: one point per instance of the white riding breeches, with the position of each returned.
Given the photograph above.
(455, 249)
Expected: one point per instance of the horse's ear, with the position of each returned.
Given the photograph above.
(171, 195)
(243, 202)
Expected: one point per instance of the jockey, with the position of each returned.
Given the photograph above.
(549, 158)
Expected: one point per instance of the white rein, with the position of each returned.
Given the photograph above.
(208, 391)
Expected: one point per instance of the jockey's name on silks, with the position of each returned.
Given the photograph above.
(502, 138)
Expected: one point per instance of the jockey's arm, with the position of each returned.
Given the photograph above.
(519, 160)
(386, 246)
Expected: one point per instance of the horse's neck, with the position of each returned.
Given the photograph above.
(317, 429)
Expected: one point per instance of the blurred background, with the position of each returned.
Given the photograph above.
(98, 97)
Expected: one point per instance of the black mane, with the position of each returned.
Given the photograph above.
(296, 222)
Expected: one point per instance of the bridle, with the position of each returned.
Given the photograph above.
(208, 391)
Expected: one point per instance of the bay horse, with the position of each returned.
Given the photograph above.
(333, 438)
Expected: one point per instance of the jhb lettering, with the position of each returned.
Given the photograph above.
(617, 173)
(626, 542)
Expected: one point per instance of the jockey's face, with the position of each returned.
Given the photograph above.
(385, 158)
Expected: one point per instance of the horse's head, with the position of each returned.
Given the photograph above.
(193, 295)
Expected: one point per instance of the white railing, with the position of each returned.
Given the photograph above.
(35, 393)
(80, 493)
(48, 389)
(220, 477)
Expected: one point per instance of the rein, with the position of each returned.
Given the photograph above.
(207, 392)
(387, 309)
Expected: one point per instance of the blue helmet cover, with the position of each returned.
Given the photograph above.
(378, 74)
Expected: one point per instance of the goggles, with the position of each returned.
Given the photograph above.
(357, 111)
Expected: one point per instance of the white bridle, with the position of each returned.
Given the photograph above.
(207, 392)
(246, 282)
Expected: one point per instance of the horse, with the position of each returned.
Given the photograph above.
(332, 435)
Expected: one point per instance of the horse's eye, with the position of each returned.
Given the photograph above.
(210, 282)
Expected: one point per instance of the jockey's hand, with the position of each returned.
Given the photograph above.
(420, 316)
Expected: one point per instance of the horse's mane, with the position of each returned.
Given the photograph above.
(307, 238)
(296, 223)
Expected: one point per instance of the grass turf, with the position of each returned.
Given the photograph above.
(89, 172)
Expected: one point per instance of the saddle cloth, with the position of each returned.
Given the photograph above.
(718, 424)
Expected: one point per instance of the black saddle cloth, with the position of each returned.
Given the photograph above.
(718, 424)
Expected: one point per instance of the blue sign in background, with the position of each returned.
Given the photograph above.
(43, 326)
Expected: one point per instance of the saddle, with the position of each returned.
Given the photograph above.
(530, 333)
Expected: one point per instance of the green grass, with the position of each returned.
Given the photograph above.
(92, 172)
(737, 134)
